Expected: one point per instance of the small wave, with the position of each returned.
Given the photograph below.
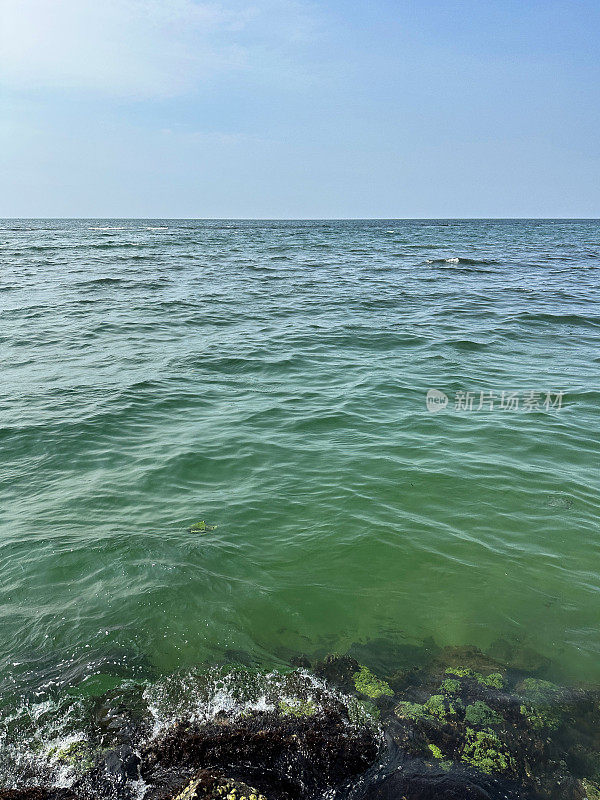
(466, 344)
(470, 262)
(560, 319)
(106, 281)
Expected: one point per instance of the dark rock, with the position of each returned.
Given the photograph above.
(112, 776)
(284, 757)
(36, 793)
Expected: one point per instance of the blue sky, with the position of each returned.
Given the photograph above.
(278, 108)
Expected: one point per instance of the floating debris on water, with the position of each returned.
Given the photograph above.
(201, 527)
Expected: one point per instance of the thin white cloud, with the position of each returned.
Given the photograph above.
(141, 47)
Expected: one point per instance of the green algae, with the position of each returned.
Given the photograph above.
(435, 751)
(450, 686)
(371, 686)
(481, 715)
(413, 711)
(484, 751)
(438, 707)
(362, 712)
(442, 707)
(77, 755)
(541, 718)
(539, 692)
(592, 790)
(494, 681)
(542, 697)
(297, 708)
(227, 790)
(461, 672)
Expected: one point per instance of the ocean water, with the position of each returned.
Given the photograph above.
(270, 378)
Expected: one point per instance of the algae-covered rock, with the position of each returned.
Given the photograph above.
(438, 708)
(210, 785)
(371, 686)
(454, 731)
(450, 686)
(540, 693)
(442, 707)
(362, 712)
(591, 790)
(481, 715)
(461, 672)
(542, 707)
(413, 711)
(484, 751)
(494, 681)
(541, 718)
(297, 708)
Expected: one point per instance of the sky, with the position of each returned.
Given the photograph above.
(294, 109)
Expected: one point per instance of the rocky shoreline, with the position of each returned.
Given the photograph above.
(459, 727)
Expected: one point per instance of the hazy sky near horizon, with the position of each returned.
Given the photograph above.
(286, 108)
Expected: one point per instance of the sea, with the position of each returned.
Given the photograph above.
(244, 441)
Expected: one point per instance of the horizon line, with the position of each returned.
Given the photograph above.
(315, 219)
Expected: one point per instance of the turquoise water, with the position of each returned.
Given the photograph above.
(270, 379)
